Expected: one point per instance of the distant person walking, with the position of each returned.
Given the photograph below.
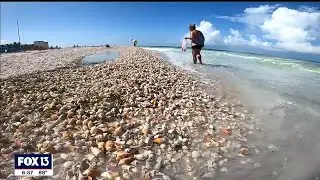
(197, 43)
(134, 42)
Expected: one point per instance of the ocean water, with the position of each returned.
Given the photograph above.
(99, 58)
(284, 95)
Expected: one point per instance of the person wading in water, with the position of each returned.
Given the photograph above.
(197, 43)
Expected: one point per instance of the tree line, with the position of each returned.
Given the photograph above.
(15, 46)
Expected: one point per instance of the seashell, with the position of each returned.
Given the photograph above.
(127, 168)
(121, 155)
(126, 176)
(81, 112)
(85, 128)
(101, 115)
(99, 138)
(49, 126)
(110, 175)
(109, 146)
(95, 151)
(227, 132)
(126, 160)
(119, 146)
(92, 172)
(145, 130)
(118, 131)
(77, 136)
(62, 117)
(62, 109)
(48, 148)
(90, 124)
(66, 135)
(159, 164)
(211, 164)
(158, 140)
(101, 145)
(140, 157)
(170, 131)
(244, 151)
(90, 157)
(6, 150)
(68, 164)
(195, 154)
(64, 156)
(93, 130)
(85, 122)
(70, 113)
(72, 121)
(162, 146)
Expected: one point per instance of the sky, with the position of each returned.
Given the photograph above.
(258, 27)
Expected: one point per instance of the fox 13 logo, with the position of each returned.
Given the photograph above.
(33, 165)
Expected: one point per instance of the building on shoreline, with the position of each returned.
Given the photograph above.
(41, 44)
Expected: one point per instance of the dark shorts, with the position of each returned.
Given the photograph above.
(198, 47)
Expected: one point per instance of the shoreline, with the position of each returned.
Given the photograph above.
(138, 116)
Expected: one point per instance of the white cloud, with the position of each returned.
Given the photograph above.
(235, 38)
(292, 30)
(289, 25)
(252, 16)
(212, 36)
(304, 47)
(254, 41)
(6, 41)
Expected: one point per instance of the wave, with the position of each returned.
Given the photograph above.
(236, 55)
(159, 49)
(281, 63)
(274, 62)
(284, 64)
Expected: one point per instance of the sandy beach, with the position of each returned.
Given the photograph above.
(137, 117)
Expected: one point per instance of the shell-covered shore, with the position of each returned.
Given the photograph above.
(12, 64)
(138, 117)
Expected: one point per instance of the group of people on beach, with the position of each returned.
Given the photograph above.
(197, 43)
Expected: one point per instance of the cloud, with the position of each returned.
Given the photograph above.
(289, 25)
(304, 47)
(212, 36)
(235, 38)
(289, 29)
(254, 41)
(252, 16)
(308, 9)
(6, 41)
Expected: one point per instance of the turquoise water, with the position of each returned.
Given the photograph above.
(283, 93)
(99, 58)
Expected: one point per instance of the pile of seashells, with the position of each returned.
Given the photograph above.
(135, 118)
(27, 62)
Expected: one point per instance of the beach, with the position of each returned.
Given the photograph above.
(138, 117)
